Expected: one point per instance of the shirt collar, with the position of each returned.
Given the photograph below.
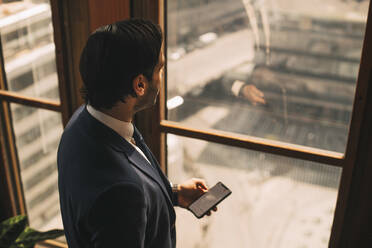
(123, 128)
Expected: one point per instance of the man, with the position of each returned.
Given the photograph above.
(112, 191)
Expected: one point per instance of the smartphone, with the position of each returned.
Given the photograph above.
(209, 200)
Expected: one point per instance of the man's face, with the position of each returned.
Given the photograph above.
(152, 91)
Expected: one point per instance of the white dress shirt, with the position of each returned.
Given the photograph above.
(123, 128)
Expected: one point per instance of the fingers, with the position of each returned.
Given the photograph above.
(258, 96)
(257, 92)
(254, 95)
(200, 183)
(257, 99)
(209, 213)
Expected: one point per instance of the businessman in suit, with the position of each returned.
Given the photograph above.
(112, 191)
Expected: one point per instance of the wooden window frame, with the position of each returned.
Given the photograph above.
(354, 161)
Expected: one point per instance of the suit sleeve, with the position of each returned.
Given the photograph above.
(226, 85)
(118, 218)
(232, 87)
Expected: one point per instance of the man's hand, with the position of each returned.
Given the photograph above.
(252, 94)
(191, 190)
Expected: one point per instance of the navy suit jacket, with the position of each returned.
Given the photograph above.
(110, 195)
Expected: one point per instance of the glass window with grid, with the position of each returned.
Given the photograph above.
(30, 70)
(284, 71)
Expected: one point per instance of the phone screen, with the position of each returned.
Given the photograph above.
(210, 199)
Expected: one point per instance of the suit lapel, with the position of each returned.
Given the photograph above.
(141, 163)
(150, 156)
(105, 134)
(136, 159)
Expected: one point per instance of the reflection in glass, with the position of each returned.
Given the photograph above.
(28, 49)
(276, 202)
(283, 70)
(37, 134)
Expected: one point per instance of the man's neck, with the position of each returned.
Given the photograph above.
(122, 111)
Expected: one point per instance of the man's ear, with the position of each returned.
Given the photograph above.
(140, 85)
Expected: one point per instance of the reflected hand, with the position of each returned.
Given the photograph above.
(253, 95)
(191, 190)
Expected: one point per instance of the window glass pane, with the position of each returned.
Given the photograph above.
(276, 202)
(37, 134)
(283, 70)
(27, 41)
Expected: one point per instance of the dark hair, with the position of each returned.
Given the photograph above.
(113, 56)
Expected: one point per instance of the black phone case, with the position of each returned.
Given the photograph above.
(199, 217)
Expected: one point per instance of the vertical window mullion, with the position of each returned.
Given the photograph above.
(11, 165)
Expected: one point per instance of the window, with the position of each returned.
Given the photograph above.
(269, 70)
(30, 78)
(276, 201)
(277, 78)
